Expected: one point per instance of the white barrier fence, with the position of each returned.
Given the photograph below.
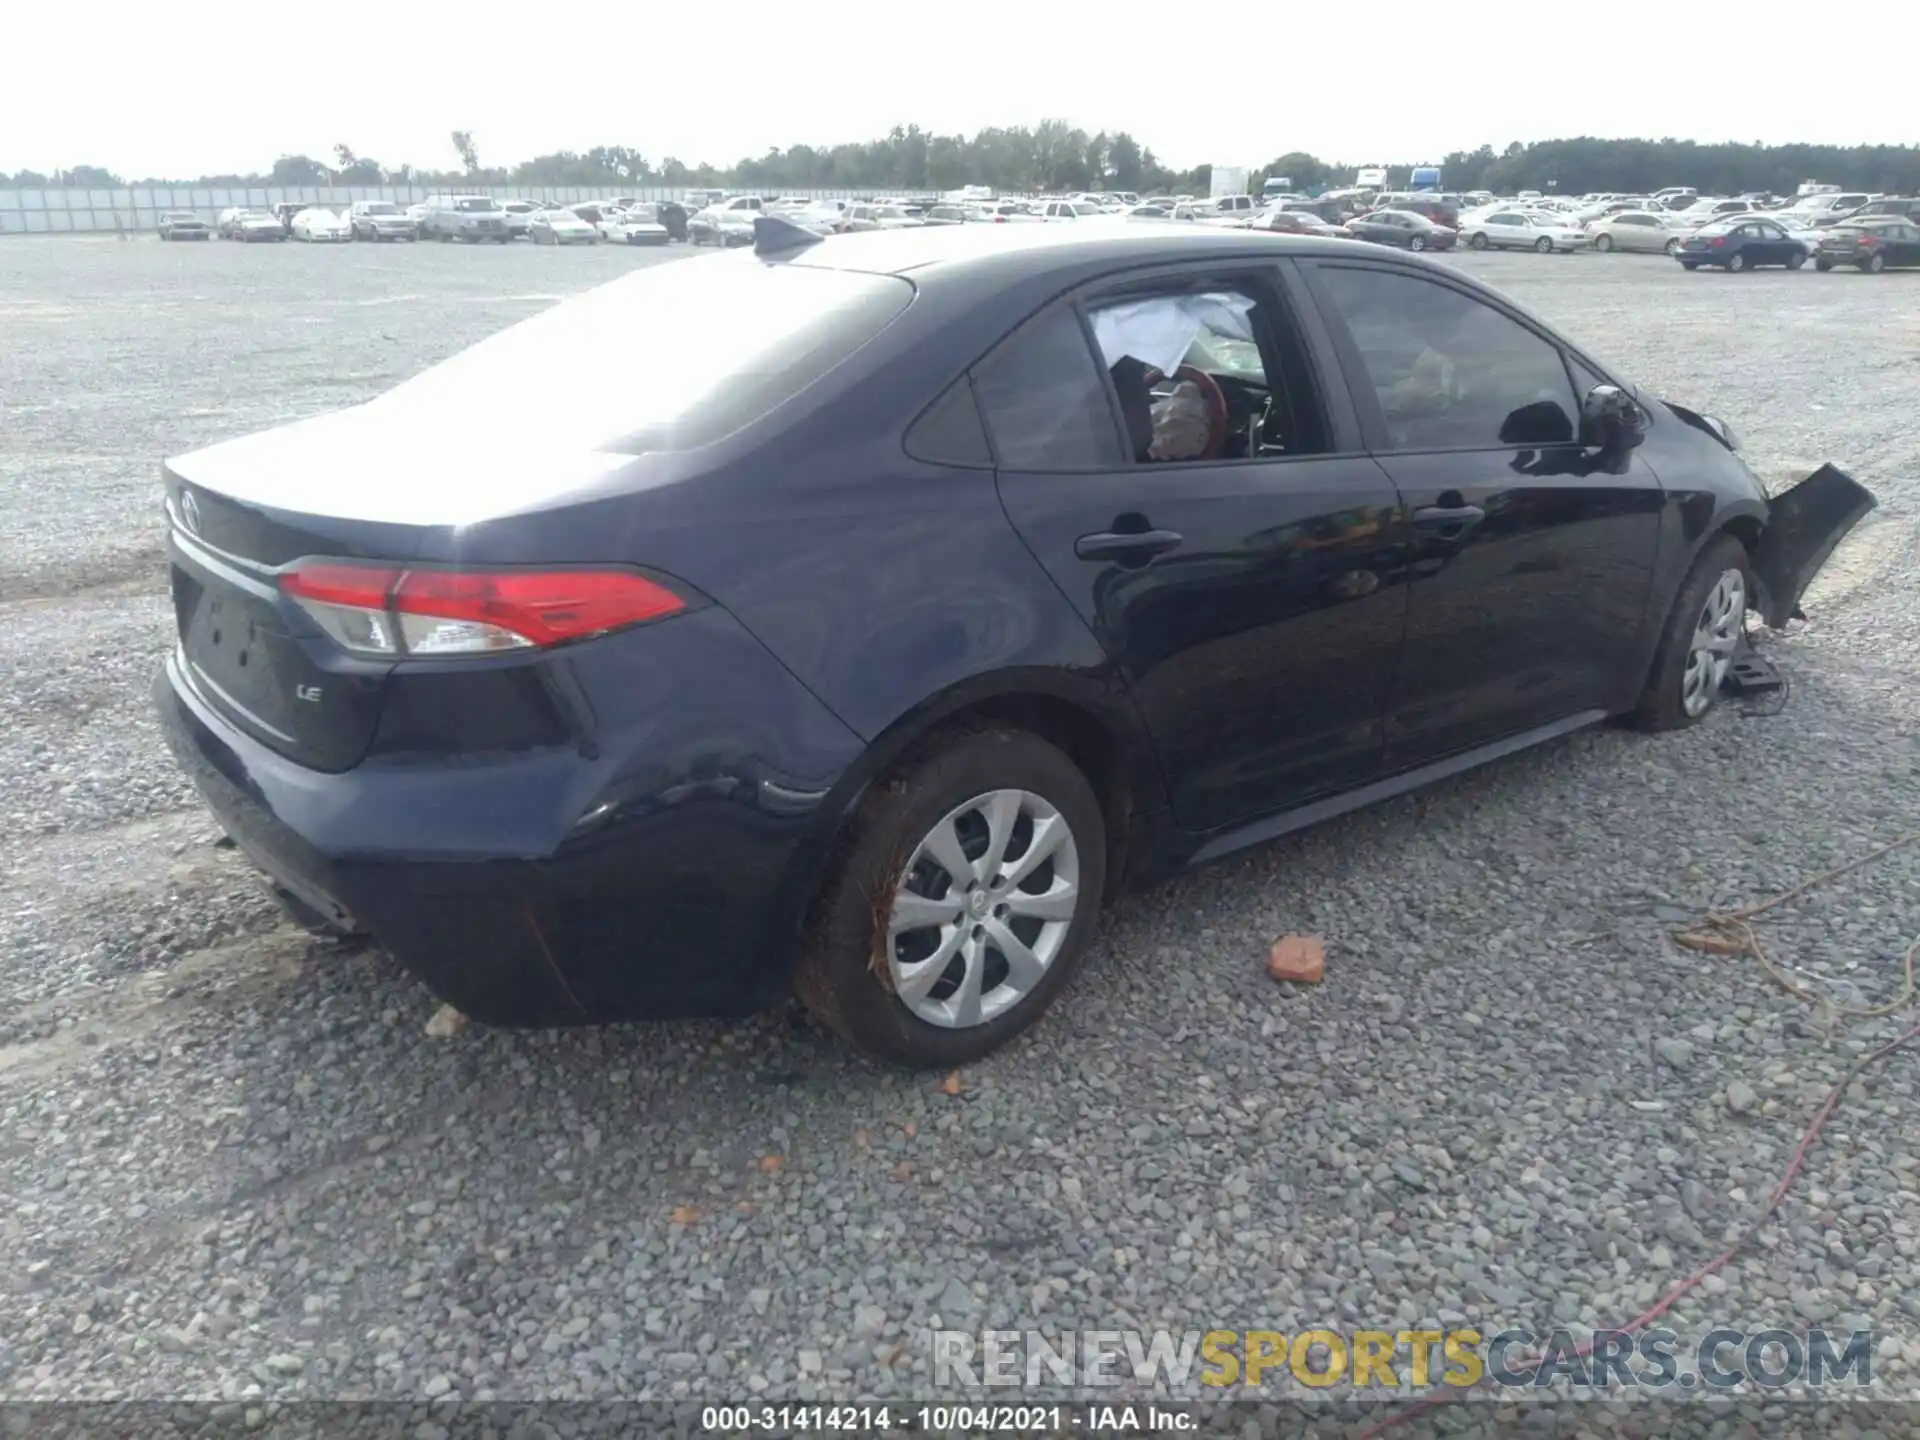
(64, 211)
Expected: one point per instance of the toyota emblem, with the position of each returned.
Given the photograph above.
(189, 512)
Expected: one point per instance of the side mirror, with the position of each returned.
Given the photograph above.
(1610, 420)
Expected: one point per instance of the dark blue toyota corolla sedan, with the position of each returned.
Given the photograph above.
(855, 615)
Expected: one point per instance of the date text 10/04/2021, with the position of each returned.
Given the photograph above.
(962, 1419)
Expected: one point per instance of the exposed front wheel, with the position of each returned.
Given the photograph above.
(967, 893)
(1672, 247)
(1796, 260)
(1823, 266)
(1477, 240)
(1603, 243)
(1543, 245)
(1701, 640)
(1416, 242)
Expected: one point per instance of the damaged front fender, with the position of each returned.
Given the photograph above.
(1804, 524)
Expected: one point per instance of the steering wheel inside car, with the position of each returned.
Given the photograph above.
(1215, 397)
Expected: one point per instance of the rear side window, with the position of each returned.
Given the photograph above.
(950, 432)
(713, 348)
(1044, 400)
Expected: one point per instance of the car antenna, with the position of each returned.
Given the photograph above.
(776, 235)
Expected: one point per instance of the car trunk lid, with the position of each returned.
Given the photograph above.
(249, 653)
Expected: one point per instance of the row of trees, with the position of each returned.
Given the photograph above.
(1055, 156)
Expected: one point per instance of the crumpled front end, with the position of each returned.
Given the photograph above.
(1804, 526)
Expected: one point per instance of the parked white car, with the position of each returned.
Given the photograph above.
(1056, 211)
(519, 213)
(316, 223)
(1520, 230)
(1644, 231)
(637, 226)
(879, 217)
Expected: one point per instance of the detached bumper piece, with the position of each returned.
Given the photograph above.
(1804, 524)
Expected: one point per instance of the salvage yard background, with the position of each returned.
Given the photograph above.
(229, 1160)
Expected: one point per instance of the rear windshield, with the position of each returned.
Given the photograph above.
(482, 203)
(718, 345)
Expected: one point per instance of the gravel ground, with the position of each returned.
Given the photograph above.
(231, 1164)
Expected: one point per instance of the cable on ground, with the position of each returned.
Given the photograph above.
(1732, 932)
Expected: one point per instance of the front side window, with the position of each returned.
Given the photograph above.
(1043, 399)
(1450, 371)
(1190, 369)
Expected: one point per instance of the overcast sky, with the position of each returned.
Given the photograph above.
(190, 87)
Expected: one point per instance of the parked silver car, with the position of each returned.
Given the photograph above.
(471, 218)
(381, 220)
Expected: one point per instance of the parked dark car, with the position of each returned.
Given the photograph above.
(1742, 242)
(1296, 222)
(1441, 212)
(673, 215)
(868, 627)
(1884, 242)
(182, 225)
(1402, 228)
(1898, 205)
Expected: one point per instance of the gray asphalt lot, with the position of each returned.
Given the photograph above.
(231, 1164)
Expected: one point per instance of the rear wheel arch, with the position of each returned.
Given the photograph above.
(1105, 747)
(1115, 762)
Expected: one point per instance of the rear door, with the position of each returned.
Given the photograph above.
(1780, 246)
(1531, 561)
(1903, 245)
(1170, 450)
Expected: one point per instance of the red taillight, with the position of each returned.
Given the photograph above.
(1717, 241)
(1867, 241)
(391, 611)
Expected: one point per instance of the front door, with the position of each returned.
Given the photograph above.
(1531, 555)
(1166, 453)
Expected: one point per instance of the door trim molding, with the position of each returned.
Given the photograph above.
(1272, 827)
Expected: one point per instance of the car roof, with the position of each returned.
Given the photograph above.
(1008, 252)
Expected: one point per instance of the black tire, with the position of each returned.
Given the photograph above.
(1603, 243)
(1478, 240)
(1672, 247)
(1689, 264)
(1823, 266)
(1796, 260)
(1416, 242)
(1661, 705)
(1736, 262)
(1543, 245)
(843, 975)
(1874, 264)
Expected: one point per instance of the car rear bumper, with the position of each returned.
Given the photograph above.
(663, 868)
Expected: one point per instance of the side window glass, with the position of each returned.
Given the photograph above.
(1450, 371)
(1193, 379)
(1043, 399)
(949, 432)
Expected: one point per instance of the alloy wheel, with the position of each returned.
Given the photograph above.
(983, 907)
(1716, 636)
